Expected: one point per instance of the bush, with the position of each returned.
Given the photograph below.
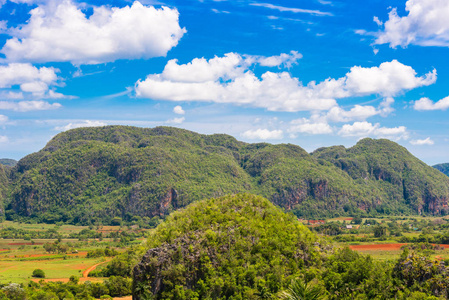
(38, 273)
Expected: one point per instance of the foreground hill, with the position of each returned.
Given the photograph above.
(234, 247)
(444, 168)
(88, 175)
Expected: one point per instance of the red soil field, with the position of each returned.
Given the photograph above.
(382, 247)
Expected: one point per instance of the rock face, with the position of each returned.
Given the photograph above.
(230, 247)
(89, 174)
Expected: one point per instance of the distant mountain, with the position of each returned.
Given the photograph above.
(4, 187)
(444, 168)
(8, 162)
(88, 175)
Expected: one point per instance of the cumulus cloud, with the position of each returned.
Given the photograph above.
(389, 79)
(87, 123)
(229, 79)
(364, 129)
(427, 141)
(178, 110)
(263, 134)
(36, 81)
(307, 126)
(427, 104)
(358, 112)
(287, 60)
(24, 106)
(176, 120)
(60, 31)
(425, 24)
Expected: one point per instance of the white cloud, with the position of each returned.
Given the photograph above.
(427, 141)
(29, 78)
(287, 60)
(364, 129)
(306, 126)
(87, 123)
(293, 10)
(427, 104)
(176, 120)
(178, 110)
(358, 112)
(3, 119)
(425, 24)
(60, 31)
(263, 134)
(3, 139)
(229, 79)
(33, 82)
(389, 79)
(24, 106)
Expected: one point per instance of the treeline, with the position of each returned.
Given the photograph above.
(114, 286)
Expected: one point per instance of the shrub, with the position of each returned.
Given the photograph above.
(38, 273)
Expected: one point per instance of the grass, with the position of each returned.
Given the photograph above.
(19, 257)
(20, 271)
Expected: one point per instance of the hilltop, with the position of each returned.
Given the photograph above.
(88, 175)
(234, 247)
(444, 168)
(8, 162)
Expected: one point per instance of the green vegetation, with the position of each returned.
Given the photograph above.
(38, 273)
(235, 247)
(242, 247)
(122, 175)
(444, 168)
(8, 162)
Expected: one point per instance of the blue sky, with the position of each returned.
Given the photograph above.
(313, 73)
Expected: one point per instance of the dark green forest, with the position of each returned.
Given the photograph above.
(243, 247)
(91, 175)
(444, 168)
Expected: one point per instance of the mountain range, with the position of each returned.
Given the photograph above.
(89, 175)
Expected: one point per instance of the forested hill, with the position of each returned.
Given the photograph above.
(4, 187)
(8, 162)
(90, 174)
(234, 247)
(444, 168)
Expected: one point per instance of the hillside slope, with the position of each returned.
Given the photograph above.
(390, 169)
(234, 247)
(444, 168)
(4, 187)
(90, 174)
(8, 162)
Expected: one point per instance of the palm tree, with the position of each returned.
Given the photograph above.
(300, 290)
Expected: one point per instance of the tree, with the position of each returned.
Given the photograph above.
(380, 231)
(38, 273)
(300, 290)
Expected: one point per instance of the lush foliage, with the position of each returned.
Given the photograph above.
(113, 286)
(8, 162)
(444, 168)
(38, 273)
(123, 175)
(235, 247)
